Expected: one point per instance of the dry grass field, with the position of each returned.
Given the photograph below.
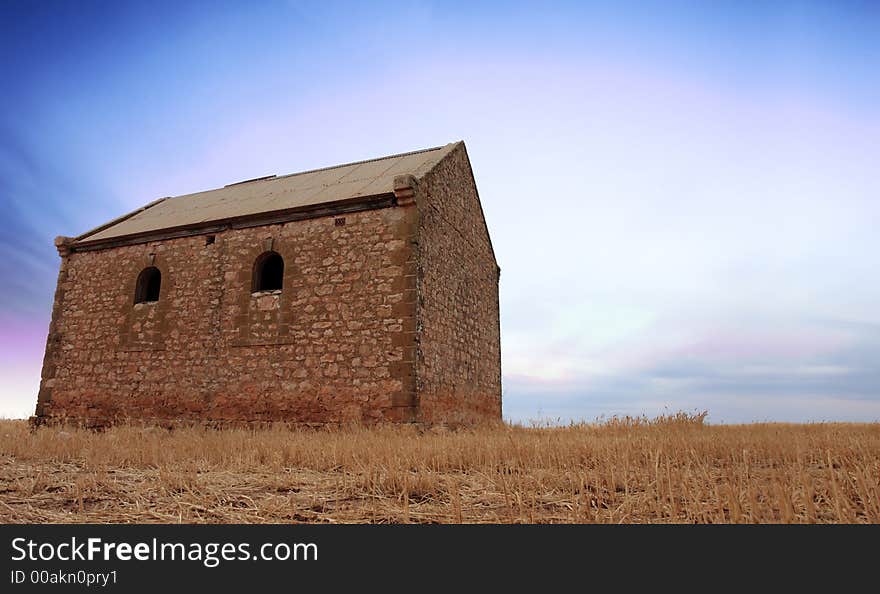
(670, 469)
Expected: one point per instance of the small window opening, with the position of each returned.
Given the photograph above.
(340, 222)
(149, 282)
(268, 272)
(209, 240)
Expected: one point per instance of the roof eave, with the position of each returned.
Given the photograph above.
(360, 203)
(119, 219)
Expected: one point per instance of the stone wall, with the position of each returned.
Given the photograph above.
(387, 314)
(335, 345)
(459, 362)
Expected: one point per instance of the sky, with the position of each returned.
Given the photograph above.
(682, 196)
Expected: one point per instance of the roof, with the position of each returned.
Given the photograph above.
(298, 191)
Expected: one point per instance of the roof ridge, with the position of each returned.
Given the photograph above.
(407, 154)
(420, 172)
(328, 168)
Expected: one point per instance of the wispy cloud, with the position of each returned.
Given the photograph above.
(682, 200)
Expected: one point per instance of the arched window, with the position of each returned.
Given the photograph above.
(268, 272)
(148, 283)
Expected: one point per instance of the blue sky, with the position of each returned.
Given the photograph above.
(683, 200)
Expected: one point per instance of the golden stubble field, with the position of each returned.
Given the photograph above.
(671, 469)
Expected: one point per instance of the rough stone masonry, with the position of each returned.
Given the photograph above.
(365, 292)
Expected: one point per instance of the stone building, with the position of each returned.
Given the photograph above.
(364, 292)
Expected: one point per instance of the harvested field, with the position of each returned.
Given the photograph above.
(671, 469)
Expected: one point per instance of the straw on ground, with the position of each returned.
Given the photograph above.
(670, 469)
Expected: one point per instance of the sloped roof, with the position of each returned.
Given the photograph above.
(330, 185)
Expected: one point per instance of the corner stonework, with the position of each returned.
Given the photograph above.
(53, 341)
(405, 190)
(405, 402)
